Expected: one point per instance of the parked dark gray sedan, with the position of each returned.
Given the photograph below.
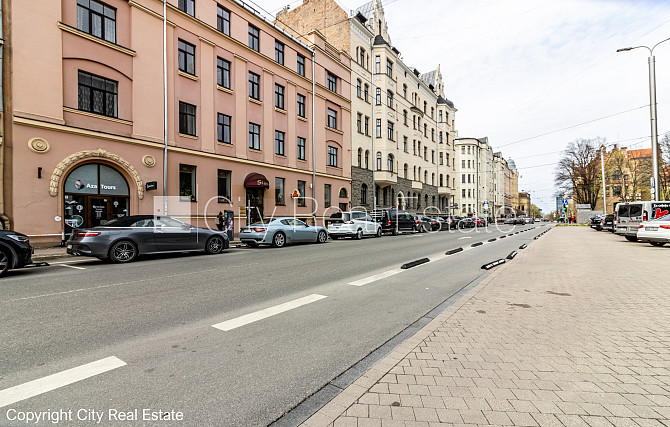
(123, 239)
(281, 231)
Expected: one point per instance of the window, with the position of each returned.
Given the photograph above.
(254, 86)
(425, 153)
(414, 146)
(367, 125)
(332, 118)
(468, 149)
(462, 149)
(254, 34)
(389, 68)
(187, 6)
(425, 177)
(425, 130)
(390, 131)
(379, 161)
(389, 163)
(279, 192)
(301, 65)
(447, 159)
(97, 19)
(186, 118)
(440, 137)
(332, 82)
(223, 73)
(441, 158)
(404, 117)
(301, 190)
(279, 96)
(279, 52)
(364, 194)
(616, 175)
(462, 164)
(378, 128)
(361, 57)
(469, 177)
(432, 182)
(405, 170)
(378, 96)
(439, 114)
(254, 136)
(463, 193)
(432, 156)
(425, 104)
(187, 182)
(301, 148)
(432, 112)
(359, 122)
(359, 88)
(366, 91)
(404, 91)
(463, 178)
(223, 128)
(332, 156)
(223, 20)
(404, 144)
(301, 105)
(389, 98)
(279, 143)
(326, 195)
(360, 157)
(432, 134)
(223, 185)
(378, 65)
(186, 54)
(367, 159)
(97, 95)
(441, 180)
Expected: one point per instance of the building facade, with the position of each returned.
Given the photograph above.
(245, 124)
(477, 173)
(403, 125)
(627, 176)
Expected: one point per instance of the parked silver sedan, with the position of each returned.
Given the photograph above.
(122, 239)
(281, 231)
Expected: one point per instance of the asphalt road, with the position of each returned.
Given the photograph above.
(156, 316)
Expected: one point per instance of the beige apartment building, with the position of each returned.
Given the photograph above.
(402, 124)
(245, 123)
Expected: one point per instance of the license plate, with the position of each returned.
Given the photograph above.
(651, 228)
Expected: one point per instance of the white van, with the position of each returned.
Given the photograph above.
(629, 215)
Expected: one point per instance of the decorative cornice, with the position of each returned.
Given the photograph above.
(80, 33)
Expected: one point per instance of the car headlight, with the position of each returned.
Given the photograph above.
(18, 238)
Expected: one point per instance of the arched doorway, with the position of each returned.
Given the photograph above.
(94, 193)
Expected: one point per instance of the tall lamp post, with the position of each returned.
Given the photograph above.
(655, 182)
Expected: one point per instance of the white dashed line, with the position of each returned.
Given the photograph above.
(375, 277)
(265, 313)
(71, 266)
(61, 379)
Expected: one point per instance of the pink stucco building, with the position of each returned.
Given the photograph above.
(85, 114)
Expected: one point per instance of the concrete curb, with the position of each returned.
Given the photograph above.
(327, 415)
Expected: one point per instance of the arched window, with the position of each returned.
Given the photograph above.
(441, 180)
(366, 92)
(426, 200)
(362, 57)
(360, 155)
(367, 159)
(413, 200)
(404, 91)
(378, 96)
(425, 104)
(418, 201)
(414, 173)
(358, 87)
(433, 200)
(419, 176)
(364, 194)
(447, 180)
(404, 117)
(405, 170)
(425, 177)
(389, 162)
(343, 193)
(379, 161)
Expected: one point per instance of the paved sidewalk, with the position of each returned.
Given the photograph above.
(575, 331)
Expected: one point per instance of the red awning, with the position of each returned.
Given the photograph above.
(256, 180)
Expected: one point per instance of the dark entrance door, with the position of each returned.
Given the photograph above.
(255, 204)
(98, 211)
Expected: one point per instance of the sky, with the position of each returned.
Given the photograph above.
(534, 75)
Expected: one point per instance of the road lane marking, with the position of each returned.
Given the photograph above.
(466, 237)
(375, 277)
(72, 266)
(265, 313)
(61, 379)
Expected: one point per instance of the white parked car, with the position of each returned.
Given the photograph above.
(352, 224)
(656, 231)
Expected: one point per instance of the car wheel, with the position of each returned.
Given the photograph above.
(279, 239)
(359, 234)
(379, 232)
(631, 238)
(214, 245)
(122, 252)
(657, 243)
(321, 237)
(5, 262)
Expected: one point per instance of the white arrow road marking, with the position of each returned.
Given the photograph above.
(265, 313)
(61, 379)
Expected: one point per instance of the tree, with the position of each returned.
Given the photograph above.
(629, 174)
(578, 171)
(664, 166)
(535, 212)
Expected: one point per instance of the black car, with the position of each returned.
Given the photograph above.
(595, 222)
(124, 239)
(466, 223)
(394, 221)
(424, 223)
(607, 223)
(15, 251)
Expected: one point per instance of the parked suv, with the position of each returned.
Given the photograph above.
(15, 251)
(394, 221)
(352, 224)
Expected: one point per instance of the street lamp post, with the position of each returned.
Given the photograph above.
(655, 181)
